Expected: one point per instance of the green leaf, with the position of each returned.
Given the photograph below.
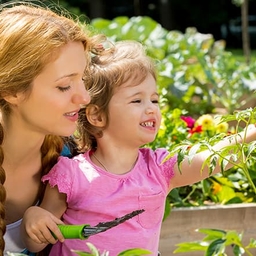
(251, 148)
(237, 250)
(217, 247)
(225, 194)
(191, 246)
(213, 232)
(82, 253)
(252, 243)
(135, 252)
(167, 208)
(93, 249)
(213, 163)
(193, 150)
(233, 237)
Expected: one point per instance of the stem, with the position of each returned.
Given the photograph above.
(248, 176)
(244, 166)
(188, 196)
(243, 162)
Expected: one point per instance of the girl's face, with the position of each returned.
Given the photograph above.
(57, 93)
(134, 113)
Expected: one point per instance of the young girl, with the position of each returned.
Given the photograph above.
(115, 175)
(43, 60)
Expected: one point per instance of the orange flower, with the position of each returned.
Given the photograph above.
(216, 187)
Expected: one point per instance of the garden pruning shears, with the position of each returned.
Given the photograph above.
(84, 231)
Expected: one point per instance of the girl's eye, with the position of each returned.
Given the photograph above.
(64, 89)
(155, 101)
(136, 101)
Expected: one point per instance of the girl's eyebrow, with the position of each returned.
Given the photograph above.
(138, 93)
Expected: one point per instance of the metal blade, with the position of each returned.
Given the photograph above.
(103, 226)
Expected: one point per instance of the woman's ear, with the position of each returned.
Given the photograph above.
(93, 115)
(14, 99)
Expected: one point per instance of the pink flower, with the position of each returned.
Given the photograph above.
(189, 121)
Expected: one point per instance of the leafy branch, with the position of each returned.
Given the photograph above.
(215, 243)
(240, 155)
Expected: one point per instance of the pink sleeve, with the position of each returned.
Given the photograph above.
(61, 176)
(166, 162)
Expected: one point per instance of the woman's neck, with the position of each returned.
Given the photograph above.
(21, 145)
(22, 166)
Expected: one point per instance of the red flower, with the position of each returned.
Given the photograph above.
(196, 129)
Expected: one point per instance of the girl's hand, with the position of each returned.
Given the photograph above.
(39, 225)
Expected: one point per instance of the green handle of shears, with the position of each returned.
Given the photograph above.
(73, 231)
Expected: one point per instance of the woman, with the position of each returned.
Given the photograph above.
(43, 60)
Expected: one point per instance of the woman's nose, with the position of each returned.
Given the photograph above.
(81, 97)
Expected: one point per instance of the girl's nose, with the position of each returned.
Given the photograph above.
(150, 109)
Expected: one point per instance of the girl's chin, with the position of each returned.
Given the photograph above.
(148, 141)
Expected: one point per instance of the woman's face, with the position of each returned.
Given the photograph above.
(57, 94)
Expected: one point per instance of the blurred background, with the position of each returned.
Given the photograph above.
(221, 18)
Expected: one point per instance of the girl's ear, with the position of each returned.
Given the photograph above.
(94, 117)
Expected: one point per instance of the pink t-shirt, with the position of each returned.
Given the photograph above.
(94, 195)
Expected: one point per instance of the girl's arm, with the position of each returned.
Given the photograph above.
(190, 171)
(39, 223)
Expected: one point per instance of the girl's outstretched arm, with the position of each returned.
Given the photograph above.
(40, 222)
(190, 171)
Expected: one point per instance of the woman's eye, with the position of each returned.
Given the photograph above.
(63, 89)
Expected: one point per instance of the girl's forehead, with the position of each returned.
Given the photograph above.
(139, 81)
(148, 85)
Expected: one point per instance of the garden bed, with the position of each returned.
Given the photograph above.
(181, 224)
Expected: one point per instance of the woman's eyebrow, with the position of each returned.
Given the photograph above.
(65, 76)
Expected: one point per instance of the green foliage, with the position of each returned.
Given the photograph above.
(229, 187)
(195, 72)
(237, 185)
(95, 252)
(238, 2)
(240, 155)
(216, 242)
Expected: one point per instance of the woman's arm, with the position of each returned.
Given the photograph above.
(40, 222)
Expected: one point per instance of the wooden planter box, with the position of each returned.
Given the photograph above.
(181, 224)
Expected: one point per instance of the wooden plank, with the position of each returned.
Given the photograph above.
(180, 226)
